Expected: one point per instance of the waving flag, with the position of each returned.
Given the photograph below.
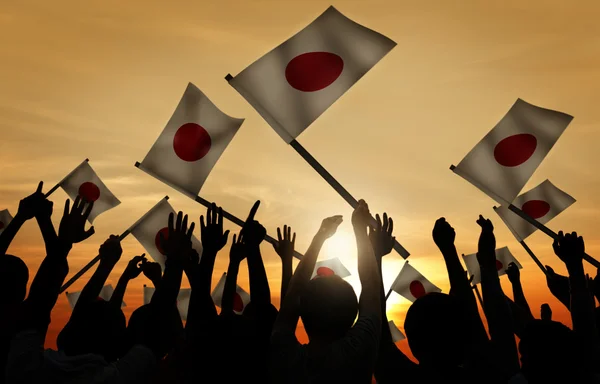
(291, 86)
(503, 259)
(105, 294)
(241, 298)
(5, 219)
(503, 161)
(183, 299)
(411, 284)
(156, 221)
(330, 267)
(84, 182)
(191, 143)
(542, 203)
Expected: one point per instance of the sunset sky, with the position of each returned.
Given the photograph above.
(100, 79)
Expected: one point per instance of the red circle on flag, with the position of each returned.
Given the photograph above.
(417, 289)
(515, 150)
(313, 71)
(165, 233)
(191, 142)
(1, 225)
(499, 265)
(89, 191)
(536, 208)
(238, 303)
(325, 271)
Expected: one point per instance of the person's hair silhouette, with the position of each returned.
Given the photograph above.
(14, 276)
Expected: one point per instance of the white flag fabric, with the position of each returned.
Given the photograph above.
(84, 182)
(503, 161)
(411, 284)
(503, 258)
(330, 267)
(105, 294)
(397, 335)
(5, 219)
(191, 143)
(542, 203)
(291, 86)
(146, 230)
(241, 298)
(183, 299)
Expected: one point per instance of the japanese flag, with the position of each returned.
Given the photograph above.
(503, 161)
(240, 300)
(411, 284)
(183, 299)
(146, 230)
(105, 294)
(84, 182)
(191, 143)
(503, 258)
(291, 86)
(542, 203)
(397, 335)
(330, 267)
(5, 219)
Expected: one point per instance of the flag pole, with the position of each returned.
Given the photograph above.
(543, 228)
(64, 178)
(208, 204)
(333, 182)
(478, 295)
(88, 266)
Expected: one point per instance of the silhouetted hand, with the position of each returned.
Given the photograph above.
(546, 312)
(443, 234)
(34, 204)
(237, 252)
(361, 217)
(211, 233)
(486, 254)
(152, 271)
(254, 232)
(179, 240)
(513, 273)
(111, 251)
(286, 243)
(381, 237)
(192, 259)
(72, 224)
(570, 248)
(134, 267)
(329, 226)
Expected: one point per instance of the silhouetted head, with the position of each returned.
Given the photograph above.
(437, 330)
(548, 352)
(14, 276)
(328, 308)
(97, 328)
(144, 322)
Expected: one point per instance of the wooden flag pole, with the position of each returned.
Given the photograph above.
(226, 214)
(63, 179)
(478, 295)
(543, 228)
(88, 266)
(534, 257)
(333, 182)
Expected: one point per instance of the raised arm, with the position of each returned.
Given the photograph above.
(287, 320)
(133, 270)
(495, 305)
(514, 276)
(285, 249)
(237, 253)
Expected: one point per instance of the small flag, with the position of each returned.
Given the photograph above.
(241, 298)
(191, 143)
(503, 258)
(146, 230)
(105, 294)
(5, 219)
(411, 284)
(330, 267)
(503, 161)
(397, 335)
(183, 300)
(291, 86)
(542, 203)
(84, 182)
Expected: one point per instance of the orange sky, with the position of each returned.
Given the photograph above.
(100, 79)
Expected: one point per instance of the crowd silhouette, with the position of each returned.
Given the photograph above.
(349, 336)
